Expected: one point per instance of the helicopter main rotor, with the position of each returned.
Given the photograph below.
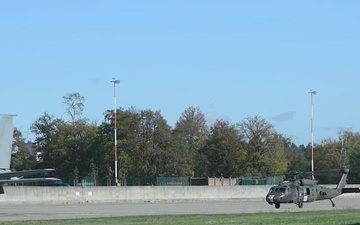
(301, 174)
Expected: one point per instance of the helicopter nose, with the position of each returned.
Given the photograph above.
(278, 197)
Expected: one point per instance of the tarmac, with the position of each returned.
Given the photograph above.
(17, 212)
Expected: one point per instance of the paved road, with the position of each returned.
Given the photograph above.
(88, 210)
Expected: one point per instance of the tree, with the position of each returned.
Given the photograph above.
(103, 151)
(224, 150)
(182, 158)
(192, 129)
(78, 144)
(21, 159)
(351, 154)
(266, 148)
(144, 143)
(192, 124)
(153, 155)
(127, 139)
(52, 152)
(69, 148)
(298, 159)
(327, 156)
(74, 105)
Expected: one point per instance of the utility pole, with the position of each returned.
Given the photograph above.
(115, 134)
(312, 92)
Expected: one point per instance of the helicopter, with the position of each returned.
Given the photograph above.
(299, 190)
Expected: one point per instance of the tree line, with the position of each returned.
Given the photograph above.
(147, 147)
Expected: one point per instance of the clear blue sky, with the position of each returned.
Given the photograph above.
(233, 59)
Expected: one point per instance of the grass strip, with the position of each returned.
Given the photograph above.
(349, 217)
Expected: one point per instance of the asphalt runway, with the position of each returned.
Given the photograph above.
(17, 212)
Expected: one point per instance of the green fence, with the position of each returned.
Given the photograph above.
(274, 180)
(172, 181)
(266, 181)
(252, 182)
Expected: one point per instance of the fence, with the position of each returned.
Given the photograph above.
(172, 181)
(254, 181)
(179, 181)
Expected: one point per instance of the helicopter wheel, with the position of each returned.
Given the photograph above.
(300, 205)
(333, 205)
(277, 205)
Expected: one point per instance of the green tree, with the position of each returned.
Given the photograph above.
(298, 159)
(191, 133)
(266, 148)
(127, 140)
(224, 150)
(351, 154)
(53, 154)
(67, 147)
(21, 159)
(192, 124)
(144, 143)
(78, 145)
(327, 156)
(153, 155)
(103, 151)
(182, 159)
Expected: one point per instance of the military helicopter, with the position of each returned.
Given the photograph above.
(299, 190)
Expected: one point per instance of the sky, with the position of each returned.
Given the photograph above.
(231, 58)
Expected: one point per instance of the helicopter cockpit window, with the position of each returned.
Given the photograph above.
(272, 190)
(281, 190)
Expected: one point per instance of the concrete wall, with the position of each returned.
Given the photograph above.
(27, 194)
(129, 193)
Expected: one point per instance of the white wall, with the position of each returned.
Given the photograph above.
(27, 194)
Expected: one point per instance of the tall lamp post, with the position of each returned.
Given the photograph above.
(312, 92)
(115, 135)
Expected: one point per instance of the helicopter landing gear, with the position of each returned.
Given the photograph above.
(333, 205)
(277, 205)
(300, 204)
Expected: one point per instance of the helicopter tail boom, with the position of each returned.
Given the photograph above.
(342, 181)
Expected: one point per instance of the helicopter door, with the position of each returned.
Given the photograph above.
(306, 192)
(300, 194)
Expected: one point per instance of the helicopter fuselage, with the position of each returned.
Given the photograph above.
(299, 191)
(302, 190)
(299, 194)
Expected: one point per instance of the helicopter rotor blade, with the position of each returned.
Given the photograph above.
(316, 172)
(322, 171)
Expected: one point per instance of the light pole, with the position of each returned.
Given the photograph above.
(312, 92)
(115, 136)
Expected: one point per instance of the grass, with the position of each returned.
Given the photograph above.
(349, 217)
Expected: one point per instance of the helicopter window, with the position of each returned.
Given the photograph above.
(282, 190)
(278, 190)
(288, 190)
(272, 190)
